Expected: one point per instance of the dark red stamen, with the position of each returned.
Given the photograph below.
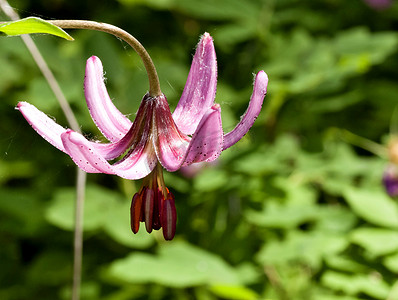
(154, 205)
(169, 217)
(142, 193)
(156, 225)
(135, 212)
(148, 208)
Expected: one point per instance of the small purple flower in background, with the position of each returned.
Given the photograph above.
(390, 180)
(156, 138)
(390, 176)
(379, 4)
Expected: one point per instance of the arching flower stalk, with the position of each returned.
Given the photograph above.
(156, 139)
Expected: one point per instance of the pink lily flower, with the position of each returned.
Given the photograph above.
(156, 138)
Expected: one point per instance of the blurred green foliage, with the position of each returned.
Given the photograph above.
(291, 212)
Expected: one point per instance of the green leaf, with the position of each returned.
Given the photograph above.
(97, 203)
(103, 209)
(391, 262)
(356, 284)
(373, 205)
(178, 264)
(32, 25)
(234, 292)
(377, 241)
(275, 215)
(345, 263)
(50, 268)
(210, 180)
(308, 247)
(21, 211)
(219, 10)
(16, 169)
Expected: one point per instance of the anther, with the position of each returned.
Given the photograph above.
(135, 212)
(168, 217)
(148, 208)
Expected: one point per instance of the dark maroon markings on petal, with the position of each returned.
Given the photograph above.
(169, 143)
(82, 153)
(205, 145)
(138, 135)
(207, 141)
(168, 217)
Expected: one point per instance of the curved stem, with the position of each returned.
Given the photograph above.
(154, 85)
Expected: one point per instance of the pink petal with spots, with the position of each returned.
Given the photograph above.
(205, 145)
(252, 112)
(207, 141)
(168, 140)
(200, 88)
(111, 122)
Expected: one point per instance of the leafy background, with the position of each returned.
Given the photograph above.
(293, 211)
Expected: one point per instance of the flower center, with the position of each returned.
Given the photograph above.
(154, 205)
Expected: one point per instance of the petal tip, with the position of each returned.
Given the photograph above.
(261, 81)
(206, 36)
(71, 135)
(206, 39)
(20, 105)
(93, 58)
(216, 106)
(94, 64)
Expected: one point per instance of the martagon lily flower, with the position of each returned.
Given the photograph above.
(156, 138)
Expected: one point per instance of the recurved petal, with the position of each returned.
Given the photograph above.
(253, 110)
(51, 132)
(138, 163)
(205, 145)
(200, 88)
(110, 121)
(45, 126)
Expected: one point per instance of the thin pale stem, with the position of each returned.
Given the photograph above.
(81, 175)
(154, 85)
(78, 234)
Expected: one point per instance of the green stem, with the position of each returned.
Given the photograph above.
(364, 143)
(154, 85)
